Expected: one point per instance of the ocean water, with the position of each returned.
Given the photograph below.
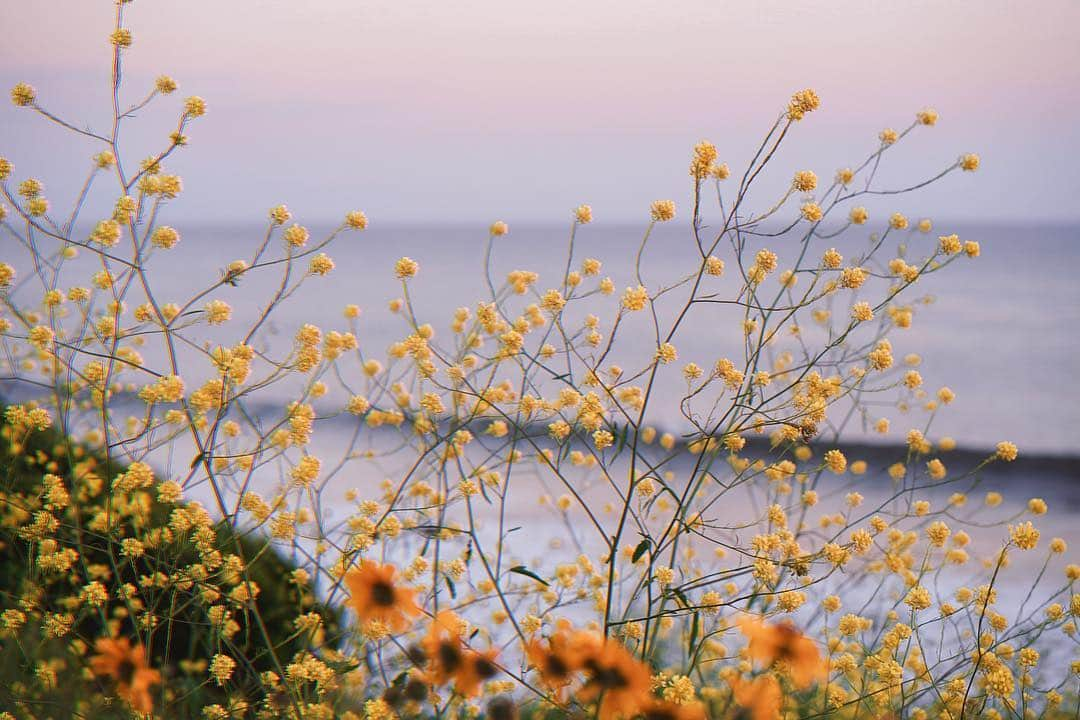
(1001, 330)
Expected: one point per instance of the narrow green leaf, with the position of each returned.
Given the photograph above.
(522, 570)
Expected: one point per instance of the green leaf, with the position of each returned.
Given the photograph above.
(522, 570)
(641, 549)
(695, 628)
(682, 597)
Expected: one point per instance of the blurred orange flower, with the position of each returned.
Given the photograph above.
(783, 643)
(622, 684)
(374, 595)
(126, 664)
(760, 696)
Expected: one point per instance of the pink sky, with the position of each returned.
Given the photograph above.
(479, 109)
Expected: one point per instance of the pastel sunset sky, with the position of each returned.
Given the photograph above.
(483, 109)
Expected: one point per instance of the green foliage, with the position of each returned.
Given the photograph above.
(183, 637)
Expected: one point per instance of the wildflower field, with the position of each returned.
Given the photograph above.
(493, 516)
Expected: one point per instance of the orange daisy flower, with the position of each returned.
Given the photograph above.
(126, 664)
(783, 643)
(448, 659)
(614, 676)
(477, 668)
(374, 595)
(443, 648)
(760, 696)
(556, 660)
(663, 710)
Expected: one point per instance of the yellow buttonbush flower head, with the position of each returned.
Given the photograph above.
(107, 233)
(195, 106)
(714, 265)
(950, 244)
(280, 215)
(844, 176)
(918, 598)
(218, 312)
(662, 210)
(583, 214)
(888, 136)
(603, 439)
(121, 38)
(858, 215)
(635, 298)
(499, 228)
(296, 235)
(405, 268)
(705, 155)
(306, 471)
(552, 301)
(37, 206)
(1006, 451)
(104, 159)
(811, 211)
(836, 462)
(356, 220)
(971, 249)
(23, 95)
(862, 312)
(221, 668)
(802, 102)
(928, 116)
(804, 181)
(321, 264)
(165, 84)
(5, 168)
(31, 188)
(898, 222)
(720, 172)
(766, 260)
(667, 353)
(1025, 535)
(165, 237)
(1037, 506)
(969, 162)
(852, 277)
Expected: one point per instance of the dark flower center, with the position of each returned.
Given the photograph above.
(382, 593)
(608, 678)
(785, 648)
(484, 668)
(449, 656)
(556, 667)
(659, 714)
(416, 690)
(125, 671)
(502, 708)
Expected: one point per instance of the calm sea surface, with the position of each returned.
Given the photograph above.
(1002, 331)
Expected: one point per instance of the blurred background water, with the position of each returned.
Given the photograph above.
(1001, 332)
